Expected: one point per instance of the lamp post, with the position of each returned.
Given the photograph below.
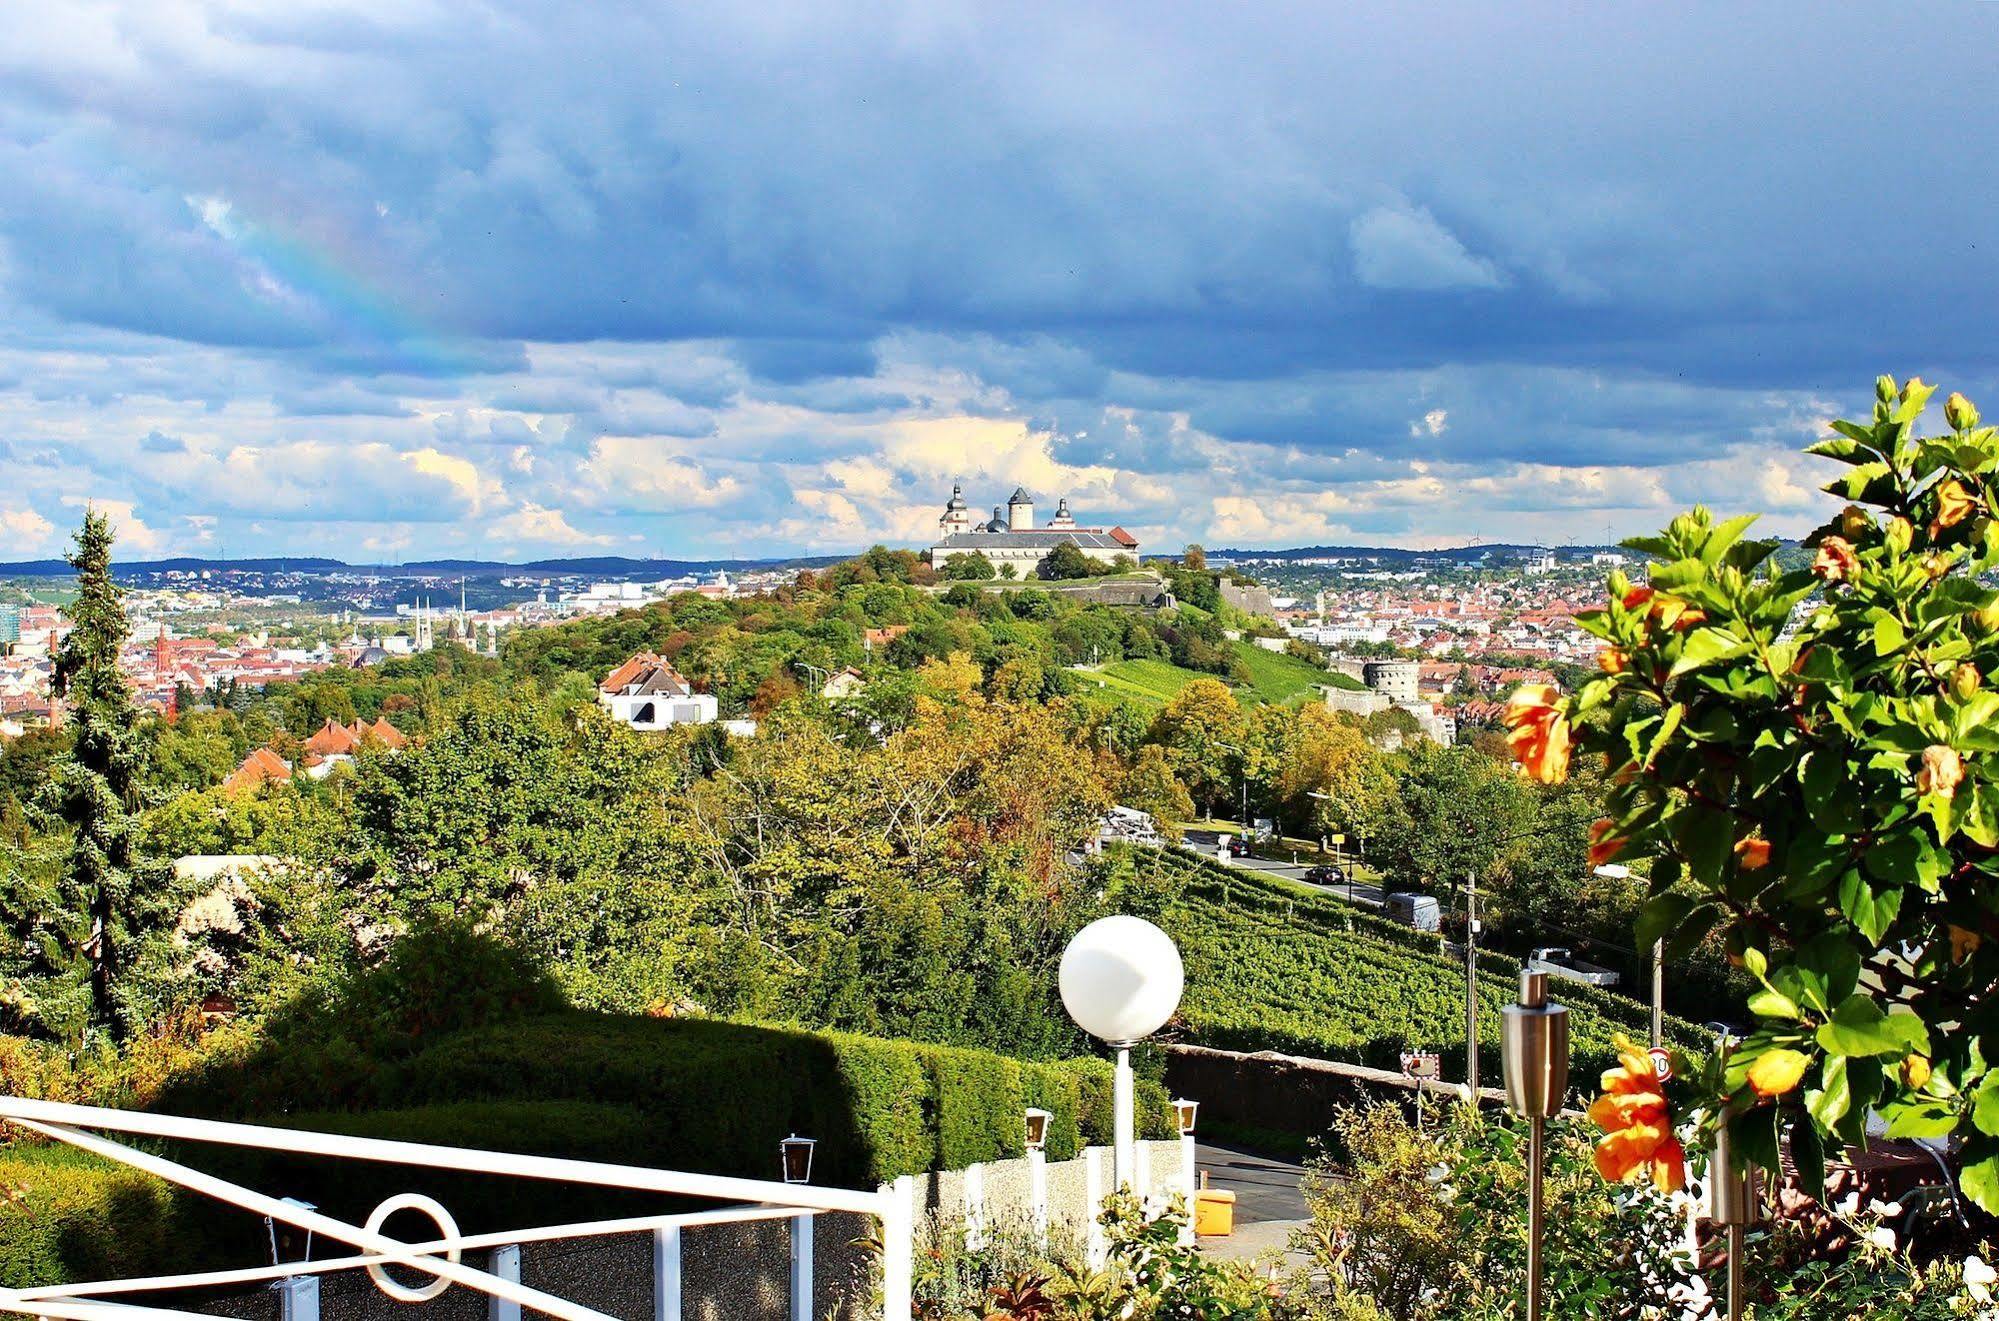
(1121, 979)
(1617, 871)
(1184, 1112)
(1535, 1052)
(1037, 1171)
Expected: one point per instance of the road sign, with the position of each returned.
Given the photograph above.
(1339, 839)
(1421, 1064)
(1662, 1062)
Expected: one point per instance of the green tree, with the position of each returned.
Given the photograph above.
(109, 896)
(1458, 814)
(1067, 560)
(966, 566)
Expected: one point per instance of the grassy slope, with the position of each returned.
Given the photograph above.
(1274, 678)
(1273, 967)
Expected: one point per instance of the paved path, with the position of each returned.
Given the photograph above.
(1269, 1203)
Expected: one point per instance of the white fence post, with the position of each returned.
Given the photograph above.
(898, 1219)
(1037, 1194)
(506, 1265)
(666, 1273)
(298, 1298)
(1095, 1250)
(801, 1267)
(975, 1206)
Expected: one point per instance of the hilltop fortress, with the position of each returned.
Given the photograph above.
(1010, 536)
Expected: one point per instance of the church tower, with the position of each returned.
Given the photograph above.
(956, 517)
(1063, 519)
(1020, 510)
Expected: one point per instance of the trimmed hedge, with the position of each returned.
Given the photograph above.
(68, 1216)
(687, 1094)
(707, 1095)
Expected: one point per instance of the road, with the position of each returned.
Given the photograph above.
(1359, 892)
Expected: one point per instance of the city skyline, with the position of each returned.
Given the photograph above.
(392, 282)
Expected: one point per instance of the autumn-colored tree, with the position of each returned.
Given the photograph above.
(1149, 785)
(1202, 730)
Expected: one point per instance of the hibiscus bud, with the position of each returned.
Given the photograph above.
(1914, 385)
(1612, 660)
(1960, 413)
(1987, 619)
(1777, 1072)
(1900, 535)
(1752, 854)
(1854, 522)
(1964, 680)
(1915, 1072)
(1942, 770)
(1884, 389)
(1836, 561)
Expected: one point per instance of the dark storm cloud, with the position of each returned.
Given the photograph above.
(1331, 240)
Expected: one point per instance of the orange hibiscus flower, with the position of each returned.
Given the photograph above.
(1638, 1132)
(1537, 733)
(1603, 846)
(1955, 503)
(1752, 854)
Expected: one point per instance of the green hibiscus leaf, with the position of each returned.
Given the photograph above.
(1859, 1027)
(1871, 908)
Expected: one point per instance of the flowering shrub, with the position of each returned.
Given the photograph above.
(1815, 750)
(1410, 1225)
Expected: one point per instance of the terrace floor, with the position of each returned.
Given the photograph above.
(1269, 1202)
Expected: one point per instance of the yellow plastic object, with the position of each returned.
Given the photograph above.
(1214, 1212)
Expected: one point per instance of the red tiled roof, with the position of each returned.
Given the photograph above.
(629, 671)
(333, 740)
(262, 766)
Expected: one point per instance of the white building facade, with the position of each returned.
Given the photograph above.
(1010, 537)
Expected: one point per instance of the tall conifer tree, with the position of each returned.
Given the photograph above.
(106, 889)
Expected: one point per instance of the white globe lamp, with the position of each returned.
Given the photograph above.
(1121, 979)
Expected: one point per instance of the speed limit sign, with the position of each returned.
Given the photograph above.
(1662, 1062)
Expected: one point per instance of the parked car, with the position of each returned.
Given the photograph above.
(1238, 847)
(1325, 875)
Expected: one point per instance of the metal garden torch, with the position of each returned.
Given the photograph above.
(1534, 1051)
(1731, 1202)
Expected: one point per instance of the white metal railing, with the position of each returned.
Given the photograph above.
(440, 1257)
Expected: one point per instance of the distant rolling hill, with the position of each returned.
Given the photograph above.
(602, 566)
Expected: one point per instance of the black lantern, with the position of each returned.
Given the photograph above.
(796, 1158)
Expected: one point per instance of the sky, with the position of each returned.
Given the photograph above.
(398, 279)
